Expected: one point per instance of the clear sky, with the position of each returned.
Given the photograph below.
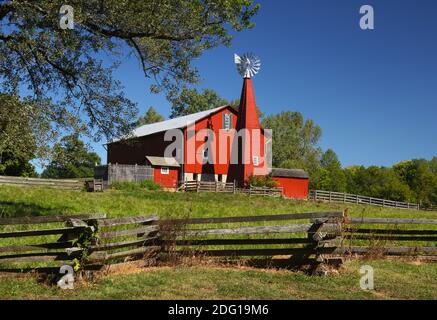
(373, 92)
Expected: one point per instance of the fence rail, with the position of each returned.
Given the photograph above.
(208, 186)
(38, 182)
(123, 172)
(319, 195)
(214, 186)
(303, 238)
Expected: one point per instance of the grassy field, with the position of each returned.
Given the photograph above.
(16, 201)
(393, 280)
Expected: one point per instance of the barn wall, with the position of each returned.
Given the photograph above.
(169, 180)
(215, 123)
(134, 151)
(296, 188)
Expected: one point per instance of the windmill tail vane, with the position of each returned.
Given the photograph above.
(248, 64)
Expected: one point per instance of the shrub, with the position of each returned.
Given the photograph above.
(132, 186)
(261, 181)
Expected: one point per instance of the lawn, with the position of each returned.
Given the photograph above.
(17, 201)
(393, 280)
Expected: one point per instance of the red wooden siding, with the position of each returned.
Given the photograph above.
(169, 180)
(296, 188)
(213, 122)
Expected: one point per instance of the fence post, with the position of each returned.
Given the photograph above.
(357, 199)
(330, 196)
(235, 190)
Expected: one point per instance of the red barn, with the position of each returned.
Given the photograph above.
(221, 144)
(294, 181)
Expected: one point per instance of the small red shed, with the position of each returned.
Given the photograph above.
(294, 181)
(165, 171)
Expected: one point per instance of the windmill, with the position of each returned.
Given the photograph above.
(248, 64)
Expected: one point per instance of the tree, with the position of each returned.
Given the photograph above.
(294, 141)
(331, 176)
(72, 160)
(192, 101)
(17, 140)
(64, 69)
(150, 116)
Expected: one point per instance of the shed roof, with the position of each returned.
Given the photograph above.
(163, 161)
(289, 173)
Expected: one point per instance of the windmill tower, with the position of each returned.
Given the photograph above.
(251, 150)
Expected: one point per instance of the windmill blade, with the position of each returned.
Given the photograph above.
(248, 64)
(237, 59)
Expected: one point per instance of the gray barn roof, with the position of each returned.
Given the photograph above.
(175, 123)
(289, 173)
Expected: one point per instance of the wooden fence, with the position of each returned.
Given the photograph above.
(38, 182)
(274, 237)
(91, 241)
(42, 239)
(319, 195)
(214, 186)
(208, 186)
(123, 172)
(390, 236)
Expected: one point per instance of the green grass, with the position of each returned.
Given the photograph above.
(18, 201)
(393, 280)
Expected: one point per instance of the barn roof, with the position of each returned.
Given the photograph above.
(289, 173)
(163, 161)
(175, 123)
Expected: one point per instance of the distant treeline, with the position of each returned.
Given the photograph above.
(409, 181)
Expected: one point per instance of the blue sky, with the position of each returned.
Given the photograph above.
(374, 92)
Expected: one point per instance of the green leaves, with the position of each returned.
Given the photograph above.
(64, 67)
(192, 101)
(71, 160)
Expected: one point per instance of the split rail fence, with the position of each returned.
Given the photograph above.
(38, 182)
(330, 196)
(93, 240)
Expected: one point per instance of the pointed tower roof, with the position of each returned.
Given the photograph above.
(248, 113)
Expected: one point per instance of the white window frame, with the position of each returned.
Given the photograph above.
(165, 170)
(255, 160)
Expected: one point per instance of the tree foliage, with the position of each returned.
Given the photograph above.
(64, 69)
(192, 101)
(150, 116)
(72, 159)
(17, 138)
(294, 141)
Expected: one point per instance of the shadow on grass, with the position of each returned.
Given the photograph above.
(20, 209)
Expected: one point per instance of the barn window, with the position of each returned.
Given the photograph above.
(205, 154)
(165, 170)
(255, 160)
(227, 121)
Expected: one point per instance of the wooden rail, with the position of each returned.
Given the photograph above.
(340, 197)
(300, 241)
(37, 182)
(304, 238)
(208, 186)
